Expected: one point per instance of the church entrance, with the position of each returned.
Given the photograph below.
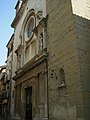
(29, 103)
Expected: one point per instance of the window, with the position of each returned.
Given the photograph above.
(62, 76)
(29, 28)
(62, 79)
(30, 38)
(32, 49)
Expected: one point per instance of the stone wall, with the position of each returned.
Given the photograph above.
(64, 100)
(37, 79)
(81, 12)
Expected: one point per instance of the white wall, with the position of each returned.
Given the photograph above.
(81, 8)
(37, 5)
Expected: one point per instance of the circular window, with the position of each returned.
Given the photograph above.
(29, 28)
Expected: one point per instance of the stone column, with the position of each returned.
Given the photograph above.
(23, 100)
(37, 98)
(46, 97)
(17, 103)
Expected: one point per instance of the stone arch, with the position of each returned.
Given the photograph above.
(29, 14)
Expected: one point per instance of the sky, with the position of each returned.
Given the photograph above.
(7, 14)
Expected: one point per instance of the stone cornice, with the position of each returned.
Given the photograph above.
(35, 62)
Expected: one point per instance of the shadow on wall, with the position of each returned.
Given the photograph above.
(82, 26)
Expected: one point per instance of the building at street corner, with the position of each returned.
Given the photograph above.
(30, 60)
(4, 93)
(51, 60)
(9, 70)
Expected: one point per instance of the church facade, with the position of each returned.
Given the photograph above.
(51, 60)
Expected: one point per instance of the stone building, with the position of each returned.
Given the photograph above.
(30, 60)
(4, 93)
(51, 60)
(9, 70)
(68, 45)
